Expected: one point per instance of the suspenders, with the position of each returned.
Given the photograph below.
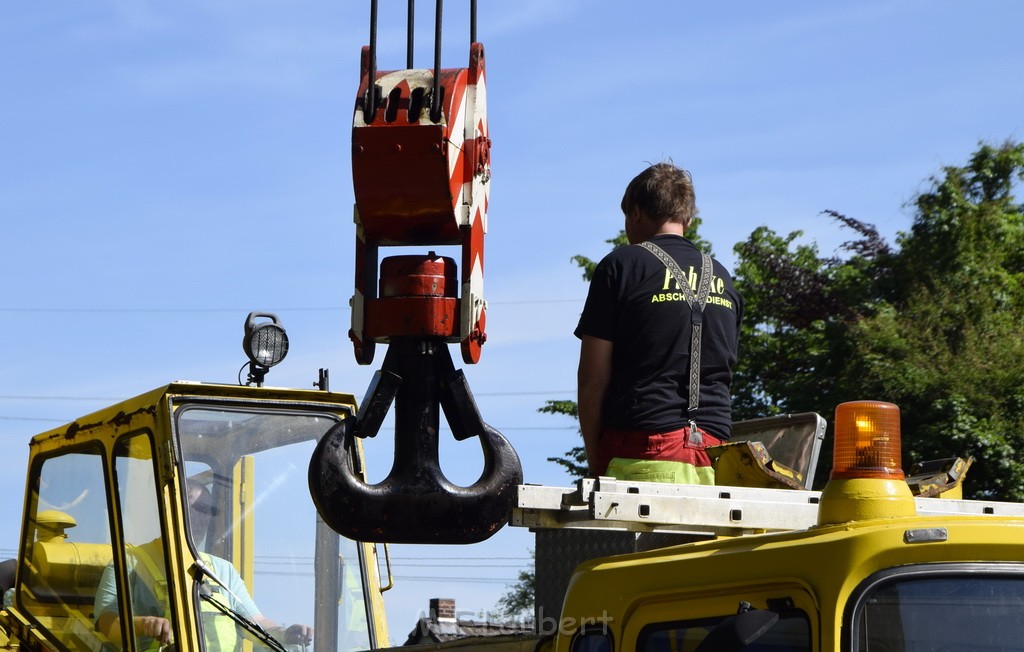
(697, 302)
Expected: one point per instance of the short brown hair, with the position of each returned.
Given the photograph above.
(663, 192)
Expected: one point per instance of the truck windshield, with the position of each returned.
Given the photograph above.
(254, 524)
(966, 612)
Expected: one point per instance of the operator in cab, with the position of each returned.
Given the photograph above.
(151, 617)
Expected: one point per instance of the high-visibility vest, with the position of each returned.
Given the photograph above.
(219, 631)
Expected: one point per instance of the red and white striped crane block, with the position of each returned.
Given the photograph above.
(421, 181)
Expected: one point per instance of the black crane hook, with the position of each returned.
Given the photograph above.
(415, 503)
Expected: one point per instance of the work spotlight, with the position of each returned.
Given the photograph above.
(265, 343)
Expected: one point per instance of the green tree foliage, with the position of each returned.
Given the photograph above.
(574, 461)
(933, 325)
(518, 599)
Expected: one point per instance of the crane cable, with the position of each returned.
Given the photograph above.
(372, 100)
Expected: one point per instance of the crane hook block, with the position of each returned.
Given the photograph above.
(415, 503)
(421, 177)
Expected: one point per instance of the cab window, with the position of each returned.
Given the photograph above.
(145, 550)
(966, 611)
(253, 463)
(790, 633)
(66, 547)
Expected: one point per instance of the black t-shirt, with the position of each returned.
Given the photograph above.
(634, 303)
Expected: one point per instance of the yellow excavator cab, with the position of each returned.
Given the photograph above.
(190, 504)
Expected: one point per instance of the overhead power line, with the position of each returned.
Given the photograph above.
(301, 558)
(10, 397)
(463, 580)
(436, 562)
(510, 302)
(446, 558)
(404, 578)
(436, 565)
(444, 430)
(110, 399)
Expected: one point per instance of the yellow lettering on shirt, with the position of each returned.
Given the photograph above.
(662, 297)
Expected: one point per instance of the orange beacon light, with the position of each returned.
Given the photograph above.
(867, 441)
(867, 480)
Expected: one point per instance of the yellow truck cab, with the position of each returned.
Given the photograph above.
(864, 565)
(946, 582)
(114, 526)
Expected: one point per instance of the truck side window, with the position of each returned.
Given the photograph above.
(791, 633)
(594, 639)
(66, 547)
(144, 554)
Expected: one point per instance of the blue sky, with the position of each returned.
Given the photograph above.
(167, 167)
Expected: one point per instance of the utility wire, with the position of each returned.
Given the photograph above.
(399, 559)
(510, 302)
(463, 580)
(444, 430)
(307, 559)
(446, 558)
(108, 399)
(394, 562)
(405, 578)
(11, 397)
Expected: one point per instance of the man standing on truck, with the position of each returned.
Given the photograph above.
(645, 412)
